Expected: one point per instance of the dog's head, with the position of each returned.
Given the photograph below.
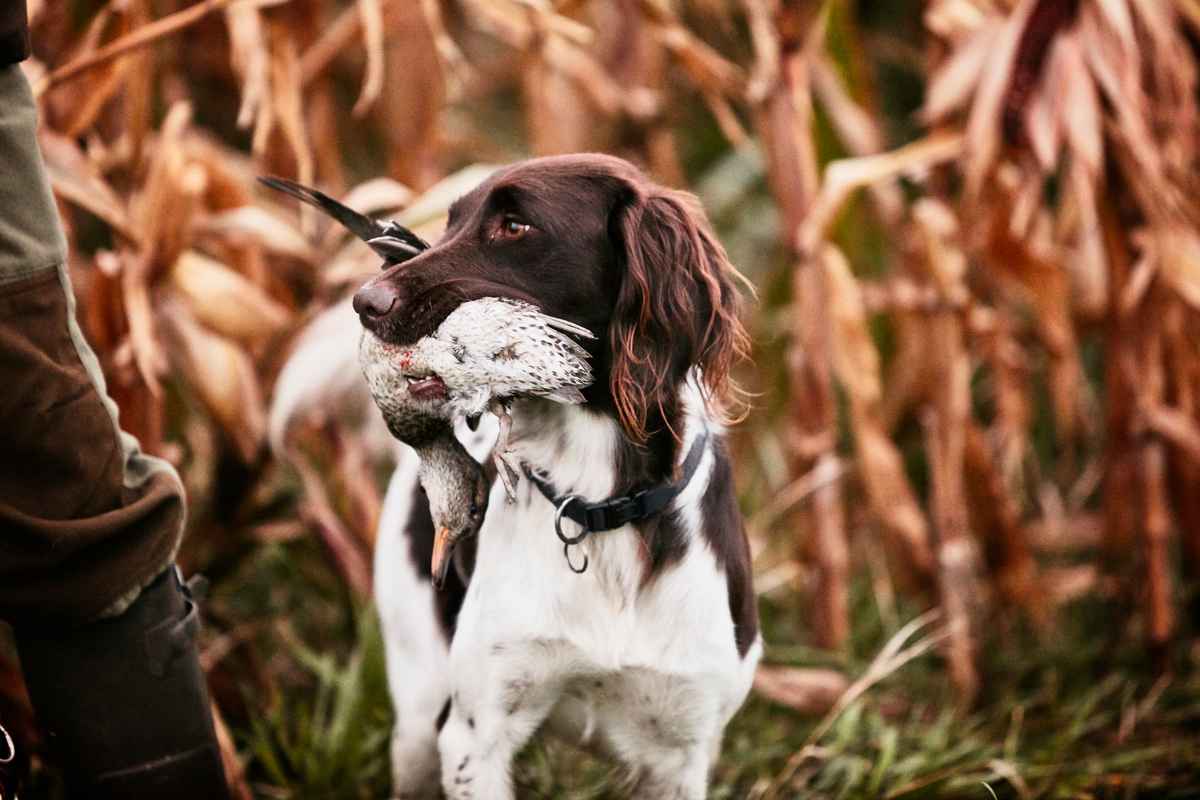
(591, 239)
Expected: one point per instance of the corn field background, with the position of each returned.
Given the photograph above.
(972, 471)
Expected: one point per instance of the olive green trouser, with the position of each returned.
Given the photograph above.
(86, 518)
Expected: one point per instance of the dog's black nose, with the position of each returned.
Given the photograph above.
(373, 302)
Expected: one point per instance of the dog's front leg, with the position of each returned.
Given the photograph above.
(497, 703)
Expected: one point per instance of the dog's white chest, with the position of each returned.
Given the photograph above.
(642, 666)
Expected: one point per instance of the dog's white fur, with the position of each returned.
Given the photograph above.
(648, 673)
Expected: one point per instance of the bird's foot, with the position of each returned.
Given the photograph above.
(504, 468)
(507, 473)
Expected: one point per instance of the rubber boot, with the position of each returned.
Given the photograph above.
(123, 701)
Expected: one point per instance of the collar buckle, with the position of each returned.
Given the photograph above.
(616, 512)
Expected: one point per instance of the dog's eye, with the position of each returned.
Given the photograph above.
(512, 228)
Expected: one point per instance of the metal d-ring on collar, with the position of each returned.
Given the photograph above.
(570, 540)
(10, 748)
(614, 512)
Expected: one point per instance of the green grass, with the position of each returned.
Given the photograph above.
(1077, 714)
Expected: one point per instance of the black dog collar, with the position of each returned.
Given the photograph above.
(615, 512)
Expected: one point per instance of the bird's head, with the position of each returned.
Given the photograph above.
(458, 497)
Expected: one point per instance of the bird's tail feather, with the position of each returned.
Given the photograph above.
(567, 394)
(566, 326)
(573, 347)
(360, 225)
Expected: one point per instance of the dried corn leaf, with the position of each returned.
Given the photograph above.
(162, 210)
(955, 19)
(434, 202)
(378, 195)
(139, 315)
(952, 83)
(983, 131)
(856, 365)
(857, 129)
(139, 38)
(287, 101)
(1178, 251)
(373, 33)
(222, 376)
(76, 180)
(225, 301)
(251, 225)
(415, 91)
(843, 177)
(1079, 105)
(251, 61)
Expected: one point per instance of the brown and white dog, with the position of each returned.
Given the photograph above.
(648, 653)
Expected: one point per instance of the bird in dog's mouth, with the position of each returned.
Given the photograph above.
(416, 412)
(484, 354)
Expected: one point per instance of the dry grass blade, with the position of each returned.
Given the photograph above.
(857, 130)
(139, 313)
(455, 69)
(162, 211)
(606, 94)
(1079, 105)
(235, 772)
(891, 657)
(378, 195)
(996, 516)
(1174, 426)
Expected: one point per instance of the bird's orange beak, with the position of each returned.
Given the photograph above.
(443, 548)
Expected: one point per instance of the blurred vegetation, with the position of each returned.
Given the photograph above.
(973, 229)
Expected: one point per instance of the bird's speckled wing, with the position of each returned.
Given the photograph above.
(504, 348)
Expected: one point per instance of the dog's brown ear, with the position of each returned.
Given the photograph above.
(677, 308)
